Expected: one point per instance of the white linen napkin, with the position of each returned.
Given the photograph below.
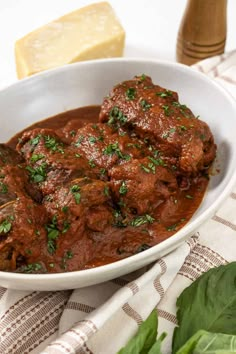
(100, 319)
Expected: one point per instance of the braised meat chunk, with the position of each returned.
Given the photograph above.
(135, 195)
(156, 114)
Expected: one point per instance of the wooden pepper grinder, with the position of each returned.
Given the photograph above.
(202, 32)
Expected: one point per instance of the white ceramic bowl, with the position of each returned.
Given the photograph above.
(86, 83)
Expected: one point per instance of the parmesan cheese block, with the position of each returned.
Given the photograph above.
(91, 32)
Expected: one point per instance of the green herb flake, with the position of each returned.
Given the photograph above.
(31, 268)
(188, 196)
(69, 254)
(116, 116)
(166, 110)
(52, 235)
(72, 133)
(35, 140)
(143, 219)
(38, 174)
(112, 149)
(145, 105)
(79, 140)
(172, 227)
(3, 188)
(36, 157)
(123, 188)
(157, 162)
(91, 163)
(103, 171)
(164, 94)
(65, 209)
(75, 190)
(5, 226)
(66, 226)
(37, 232)
(52, 144)
(143, 167)
(92, 139)
(130, 93)
(106, 191)
(142, 77)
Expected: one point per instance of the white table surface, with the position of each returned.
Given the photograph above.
(151, 26)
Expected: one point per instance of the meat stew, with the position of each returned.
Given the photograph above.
(97, 184)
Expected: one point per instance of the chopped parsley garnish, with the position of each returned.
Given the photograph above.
(92, 163)
(142, 248)
(142, 78)
(114, 149)
(35, 140)
(52, 144)
(66, 226)
(103, 171)
(5, 226)
(3, 188)
(77, 155)
(30, 268)
(166, 110)
(182, 127)
(36, 157)
(68, 255)
(164, 94)
(92, 139)
(123, 188)
(119, 222)
(79, 141)
(75, 190)
(72, 133)
(157, 162)
(130, 93)
(52, 235)
(37, 232)
(38, 174)
(106, 191)
(143, 167)
(143, 219)
(179, 105)
(171, 227)
(145, 105)
(64, 209)
(116, 115)
(188, 196)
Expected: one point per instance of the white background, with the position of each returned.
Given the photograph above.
(151, 26)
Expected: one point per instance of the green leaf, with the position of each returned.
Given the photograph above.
(209, 303)
(190, 345)
(145, 337)
(209, 343)
(156, 348)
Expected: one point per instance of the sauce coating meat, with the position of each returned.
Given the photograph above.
(97, 184)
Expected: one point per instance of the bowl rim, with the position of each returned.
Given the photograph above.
(177, 238)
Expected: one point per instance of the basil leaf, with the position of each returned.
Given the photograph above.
(145, 337)
(209, 343)
(156, 348)
(190, 345)
(209, 303)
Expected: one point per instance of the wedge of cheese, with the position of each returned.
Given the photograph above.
(91, 32)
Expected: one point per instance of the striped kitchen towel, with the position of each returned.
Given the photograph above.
(100, 319)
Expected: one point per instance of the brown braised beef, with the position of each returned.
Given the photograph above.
(92, 186)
